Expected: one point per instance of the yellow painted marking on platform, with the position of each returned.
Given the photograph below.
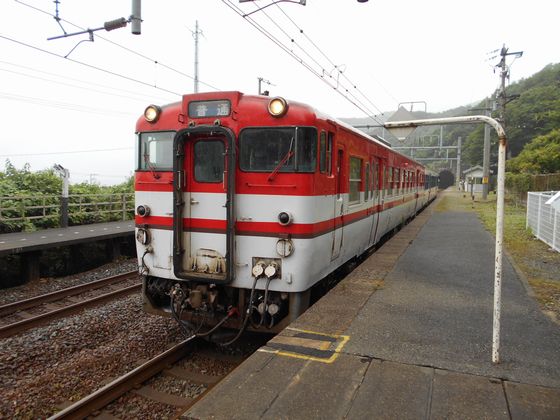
(303, 342)
(342, 340)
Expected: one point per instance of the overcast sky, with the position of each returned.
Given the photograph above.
(80, 112)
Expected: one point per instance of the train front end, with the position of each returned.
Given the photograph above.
(204, 208)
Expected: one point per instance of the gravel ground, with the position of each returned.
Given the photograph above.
(46, 368)
(70, 358)
(46, 285)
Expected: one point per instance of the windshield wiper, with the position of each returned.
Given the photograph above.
(151, 167)
(282, 162)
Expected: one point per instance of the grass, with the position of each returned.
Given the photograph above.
(539, 264)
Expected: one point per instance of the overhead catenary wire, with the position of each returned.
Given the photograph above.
(91, 66)
(111, 89)
(323, 70)
(332, 62)
(335, 66)
(63, 105)
(58, 82)
(295, 56)
(66, 152)
(157, 62)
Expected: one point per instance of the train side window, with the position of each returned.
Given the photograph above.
(374, 169)
(389, 181)
(355, 179)
(367, 189)
(339, 161)
(209, 161)
(330, 152)
(323, 152)
(156, 151)
(396, 179)
(406, 181)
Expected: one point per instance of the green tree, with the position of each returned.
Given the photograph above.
(540, 156)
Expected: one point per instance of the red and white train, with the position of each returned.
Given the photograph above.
(245, 203)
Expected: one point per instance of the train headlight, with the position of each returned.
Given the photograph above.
(152, 113)
(143, 211)
(277, 107)
(143, 236)
(285, 218)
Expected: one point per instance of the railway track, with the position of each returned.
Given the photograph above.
(132, 381)
(62, 303)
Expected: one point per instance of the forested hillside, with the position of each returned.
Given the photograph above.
(534, 113)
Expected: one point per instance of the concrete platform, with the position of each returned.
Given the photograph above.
(22, 242)
(406, 335)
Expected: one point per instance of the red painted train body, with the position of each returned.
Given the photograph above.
(245, 203)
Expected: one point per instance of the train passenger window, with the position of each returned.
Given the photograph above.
(156, 151)
(389, 181)
(282, 149)
(374, 169)
(329, 152)
(323, 152)
(355, 179)
(209, 161)
(406, 180)
(396, 179)
(367, 189)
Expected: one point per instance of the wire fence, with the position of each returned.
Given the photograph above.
(518, 185)
(44, 211)
(543, 219)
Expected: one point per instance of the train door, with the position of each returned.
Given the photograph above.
(338, 228)
(415, 180)
(375, 192)
(203, 222)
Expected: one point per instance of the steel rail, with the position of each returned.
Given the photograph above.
(20, 305)
(103, 396)
(11, 329)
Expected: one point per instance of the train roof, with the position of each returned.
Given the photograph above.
(305, 111)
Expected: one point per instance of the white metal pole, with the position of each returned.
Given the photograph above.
(554, 226)
(499, 208)
(499, 249)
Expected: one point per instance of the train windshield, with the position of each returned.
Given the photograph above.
(282, 149)
(156, 151)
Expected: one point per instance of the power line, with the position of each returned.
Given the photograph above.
(86, 82)
(324, 72)
(67, 152)
(88, 65)
(102, 175)
(72, 85)
(295, 56)
(317, 62)
(335, 66)
(157, 62)
(61, 105)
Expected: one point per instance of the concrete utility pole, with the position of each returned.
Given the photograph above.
(195, 35)
(486, 151)
(65, 175)
(486, 156)
(504, 74)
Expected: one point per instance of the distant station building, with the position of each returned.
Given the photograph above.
(473, 176)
